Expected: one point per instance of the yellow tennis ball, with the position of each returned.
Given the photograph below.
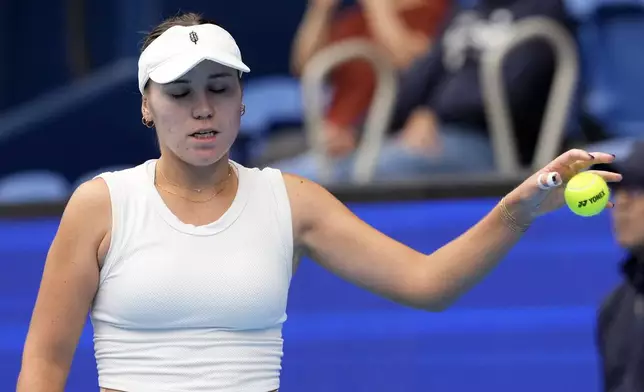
(587, 194)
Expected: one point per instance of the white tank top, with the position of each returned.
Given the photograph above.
(193, 308)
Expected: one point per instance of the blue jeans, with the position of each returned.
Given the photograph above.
(463, 150)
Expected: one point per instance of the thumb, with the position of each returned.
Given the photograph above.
(549, 180)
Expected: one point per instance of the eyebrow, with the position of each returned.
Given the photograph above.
(213, 76)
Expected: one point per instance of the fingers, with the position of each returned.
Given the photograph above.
(607, 176)
(581, 157)
(547, 181)
(601, 157)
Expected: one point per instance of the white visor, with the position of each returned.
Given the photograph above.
(180, 48)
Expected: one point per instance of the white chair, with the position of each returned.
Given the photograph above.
(559, 102)
(378, 116)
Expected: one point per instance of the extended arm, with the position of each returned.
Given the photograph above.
(355, 251)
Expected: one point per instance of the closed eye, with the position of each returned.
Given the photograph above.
(177, 96)
(181, 95)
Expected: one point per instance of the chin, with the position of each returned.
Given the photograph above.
(204, 158)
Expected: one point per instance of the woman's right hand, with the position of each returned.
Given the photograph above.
(420, 133)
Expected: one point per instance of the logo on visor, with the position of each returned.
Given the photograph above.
(193, 37)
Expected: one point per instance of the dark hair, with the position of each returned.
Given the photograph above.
(187, 19)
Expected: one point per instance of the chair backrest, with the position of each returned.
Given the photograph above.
(610, 40)
(33, 187)
(378, 116)
(560, 100)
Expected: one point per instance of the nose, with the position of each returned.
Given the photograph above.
(202, 109)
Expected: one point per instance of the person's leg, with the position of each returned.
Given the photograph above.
(462, 150)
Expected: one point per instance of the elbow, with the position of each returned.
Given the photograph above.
(300, 57)
(296, 67)
(428, 303)
(42, 366)
(427, 292)
(434, 300)
(435, 306)
(41, 374)
(300, 54)
(297, 60)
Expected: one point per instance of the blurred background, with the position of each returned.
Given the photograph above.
(419, 114)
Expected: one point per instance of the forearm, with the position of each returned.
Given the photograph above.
(456, 267)
(311, 35)
(41, 375)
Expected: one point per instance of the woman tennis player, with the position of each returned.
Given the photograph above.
(184, 262)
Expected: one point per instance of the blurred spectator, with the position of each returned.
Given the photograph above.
(621, 316)
(439, 123)
(609, 37)
(402, 29)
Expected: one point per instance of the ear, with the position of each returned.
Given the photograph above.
(145, 108)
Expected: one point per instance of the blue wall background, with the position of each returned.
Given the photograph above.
(34, 40)
(529, 326)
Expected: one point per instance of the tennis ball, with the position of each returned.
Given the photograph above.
(586, 194)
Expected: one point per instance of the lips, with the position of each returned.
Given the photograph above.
(205, 134)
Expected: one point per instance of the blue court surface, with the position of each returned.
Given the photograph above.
(529, 326)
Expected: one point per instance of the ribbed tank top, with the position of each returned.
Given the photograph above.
(193, 308)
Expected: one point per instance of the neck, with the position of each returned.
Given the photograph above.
(184, 175)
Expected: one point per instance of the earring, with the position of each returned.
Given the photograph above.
(147, 123)
(243, 109)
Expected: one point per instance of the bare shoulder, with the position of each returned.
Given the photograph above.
(88, 212)
(311, 204)
(92, 197)
(301, 189)
(93, 193)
